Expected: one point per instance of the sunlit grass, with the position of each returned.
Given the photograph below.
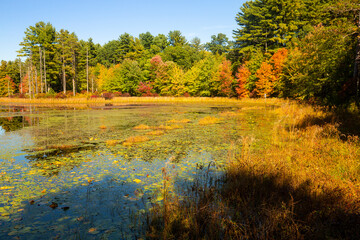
(135, 139)
(141, 127)
(303, 181)
(209, 120)
(168, 127)
(126, 100)
(179, 121)
(155, 133)
(112, 142)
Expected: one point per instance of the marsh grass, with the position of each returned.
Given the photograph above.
(303, 185)
(209, 120)
(127, 100)
(155, 133)
(141, 127)
(135, 139)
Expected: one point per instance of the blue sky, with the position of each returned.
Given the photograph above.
(105, 20)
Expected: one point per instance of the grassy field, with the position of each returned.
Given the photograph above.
(76, 100)
(303, 185)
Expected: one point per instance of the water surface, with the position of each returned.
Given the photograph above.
(69, 173)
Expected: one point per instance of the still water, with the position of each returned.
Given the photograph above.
(95, 172)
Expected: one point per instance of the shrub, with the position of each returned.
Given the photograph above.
(107, 95)
(40, 95)
(117, 94)
(60, 95)
(126, 95)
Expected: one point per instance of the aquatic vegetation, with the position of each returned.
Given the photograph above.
(230, 114)
(106, 187)
(135, 139)
(142, 127)
(155, 133)
(179, 121)
(209, 120)
(168, 127)
(112, 142)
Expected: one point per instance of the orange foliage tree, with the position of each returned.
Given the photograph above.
(269, 73)
(242, 76)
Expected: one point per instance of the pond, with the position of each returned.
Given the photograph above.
(95, 172)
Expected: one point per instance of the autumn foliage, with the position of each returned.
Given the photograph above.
(269, 73)
(241, 77)
(225, 78)
(7, 86)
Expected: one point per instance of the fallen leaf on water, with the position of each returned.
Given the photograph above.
(137, 180)
(54, 205)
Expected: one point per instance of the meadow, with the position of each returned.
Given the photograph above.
(177, 168)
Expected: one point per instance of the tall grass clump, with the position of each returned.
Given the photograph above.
(304, 184)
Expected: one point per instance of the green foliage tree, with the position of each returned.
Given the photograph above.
(146, 39)
(125, 78)
(219, 44)
(176, 38)
(320, 68)
(272, 24)
(199, 80)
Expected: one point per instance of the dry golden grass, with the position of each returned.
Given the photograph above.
(112, 142)
(155, 133)
(209, 120)
(126, 100)
(142, 127)
(135, 139)
(305, 184)
(168, 127)
(179, 121)
(230, 114)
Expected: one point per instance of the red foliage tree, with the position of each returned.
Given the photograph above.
(225, 78)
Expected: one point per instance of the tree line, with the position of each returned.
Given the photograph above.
(300, 49)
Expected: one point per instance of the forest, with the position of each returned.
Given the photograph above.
(304, 49)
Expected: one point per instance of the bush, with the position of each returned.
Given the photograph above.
(51, 92)
(18, 95)
(60, 95)
(107, 95)
(117, 94)
(40, 95)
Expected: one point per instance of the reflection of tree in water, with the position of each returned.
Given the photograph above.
(13, 123)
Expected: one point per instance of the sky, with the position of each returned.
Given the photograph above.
(106, 20)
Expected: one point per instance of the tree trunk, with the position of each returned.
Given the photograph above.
(41, 76)
(46, 88)
(21, 86)
(74, 72)
(36, 81)
(63, 75)
(357, 64)
(87, 70)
